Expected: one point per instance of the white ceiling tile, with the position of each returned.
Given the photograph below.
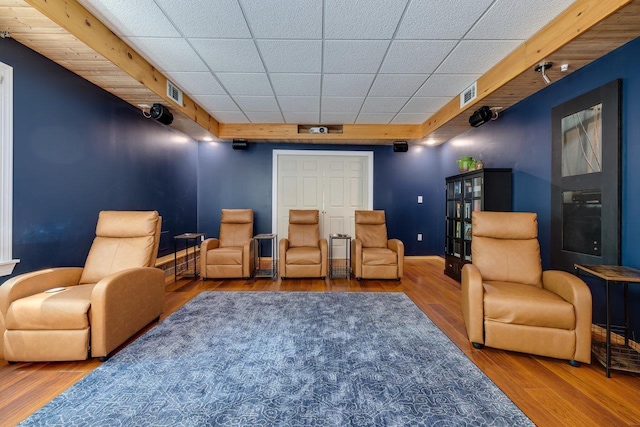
(341, 104)
(307, 118)
(362, 19)
(230, 117)
(291, 56)
(446, 84)
(353, 56)
(284, 19)
(197, 83)
(257, 103)
(476, 57)
(216, 102)
(229, 54)
(383, 105)
(246, 83)
(411, 119)
(425, 104)
(303, 104)
(440, 19)
(168, 54)
(287, 84)
(140, 18)
(375, 118)
(397, 84)
(516, 20)
(265, 117)
(206, 18)
(416, 56)
(346, 84)
(338, 118)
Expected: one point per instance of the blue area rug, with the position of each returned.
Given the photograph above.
(287, 359)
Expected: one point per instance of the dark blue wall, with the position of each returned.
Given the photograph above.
(242, 179)
(79, 150)
(521, 139)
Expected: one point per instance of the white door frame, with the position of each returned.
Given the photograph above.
(6, 170)
(274, 178)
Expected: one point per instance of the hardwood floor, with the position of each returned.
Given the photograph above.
(549, 391)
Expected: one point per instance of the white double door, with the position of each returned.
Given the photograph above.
(335, 183)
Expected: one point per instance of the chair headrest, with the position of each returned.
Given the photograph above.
(304, 216)
(237, 216)
(369, 217)
(505, 225)
(127, 223)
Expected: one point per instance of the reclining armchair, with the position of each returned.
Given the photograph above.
(60, 314)
(230, 255)
(304, 253)
(373, 256)
(508, 302)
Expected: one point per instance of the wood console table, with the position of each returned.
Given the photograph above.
(618, 355)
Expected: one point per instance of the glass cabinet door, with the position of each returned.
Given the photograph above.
(451, 208)
(477, 187)
(468, 188)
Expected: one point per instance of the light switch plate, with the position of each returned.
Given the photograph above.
(419, 199)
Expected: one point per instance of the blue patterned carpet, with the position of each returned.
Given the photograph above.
(287, 359)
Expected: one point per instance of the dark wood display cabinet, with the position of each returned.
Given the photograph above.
(478, 190)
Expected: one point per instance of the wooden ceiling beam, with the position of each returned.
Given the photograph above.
(285, 132)
(78, 21)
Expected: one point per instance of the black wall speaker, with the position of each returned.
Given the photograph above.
(400, 147)
(161, 113)
(239, 144)
(481, 116)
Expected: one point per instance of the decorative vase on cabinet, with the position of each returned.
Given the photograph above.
(479, 190)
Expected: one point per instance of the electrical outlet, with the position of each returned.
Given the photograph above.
(419, 237)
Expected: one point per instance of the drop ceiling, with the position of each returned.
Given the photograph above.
(324, 61)
(383, 70)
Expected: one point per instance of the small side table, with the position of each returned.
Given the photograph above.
(618, 355)
(339, 270)
(186, 237)
(257, 253)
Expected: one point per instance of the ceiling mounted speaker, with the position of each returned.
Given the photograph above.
(482, 115)
(400, 147)
(161, 114)
(239, 144)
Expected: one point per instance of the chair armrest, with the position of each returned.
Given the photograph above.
(356, 257)
(122, 304)
(207, 245)
(575, 291)
(283, 247)
(324, 258)
(248, 250)
(472, 300)
(35, 282)
(397, 246)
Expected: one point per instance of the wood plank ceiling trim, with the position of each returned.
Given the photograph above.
(506, 77)
(67, 33)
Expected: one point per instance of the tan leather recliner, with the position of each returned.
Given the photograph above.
(508, 302)
(304, 253)
(98, 307)
(231, 254)
(373, 256)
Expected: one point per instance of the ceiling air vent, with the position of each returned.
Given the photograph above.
(174, 93)
(469, 94)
